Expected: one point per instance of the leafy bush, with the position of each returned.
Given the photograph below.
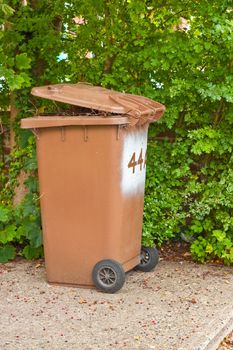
(185, 197)
(20, 226)
(20, 230)
(163, 210)
(216, 244)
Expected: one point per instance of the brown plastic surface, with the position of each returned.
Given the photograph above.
(92, 178)
(47, 122)
(140, 109)
(80, 94)
(86, 215)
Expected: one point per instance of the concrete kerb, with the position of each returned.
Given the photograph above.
(218, 334)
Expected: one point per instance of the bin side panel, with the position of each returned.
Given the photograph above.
(133, 162)
(132, 187)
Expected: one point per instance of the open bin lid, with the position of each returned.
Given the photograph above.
(133, 109)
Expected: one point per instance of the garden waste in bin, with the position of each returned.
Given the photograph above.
(92, 176)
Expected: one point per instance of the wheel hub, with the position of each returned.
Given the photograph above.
(107, 276)
(144, 258)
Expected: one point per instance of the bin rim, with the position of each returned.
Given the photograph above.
(60, 121)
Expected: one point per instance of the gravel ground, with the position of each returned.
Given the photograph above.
(179, 306)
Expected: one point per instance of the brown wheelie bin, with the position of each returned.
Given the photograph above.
(92, 175)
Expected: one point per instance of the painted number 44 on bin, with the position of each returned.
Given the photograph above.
(134, 163)
(141, 162)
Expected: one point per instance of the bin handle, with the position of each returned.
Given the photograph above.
(84, 83)
(147, 111)
(129, 106)
(133, 104)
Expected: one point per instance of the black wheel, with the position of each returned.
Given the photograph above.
(149, 259)
(108, 276)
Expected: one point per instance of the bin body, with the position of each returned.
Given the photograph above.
(92, 178)
(92, 194)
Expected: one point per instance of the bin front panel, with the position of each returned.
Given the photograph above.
(91, 208)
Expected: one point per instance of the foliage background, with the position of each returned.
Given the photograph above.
(179, 53)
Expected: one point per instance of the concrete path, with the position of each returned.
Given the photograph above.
(178, 306)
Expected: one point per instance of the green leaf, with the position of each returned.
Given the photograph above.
(30, 252)
(8, 234)
(34, 234)
(14, 81)
(7, 253)
(197, 227)
(32, 184)
(220, 236)
(22, 61)
(6, 9)
(209, 248)
(19, 233)
(4, 214)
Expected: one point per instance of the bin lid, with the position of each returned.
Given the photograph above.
(139, 109)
